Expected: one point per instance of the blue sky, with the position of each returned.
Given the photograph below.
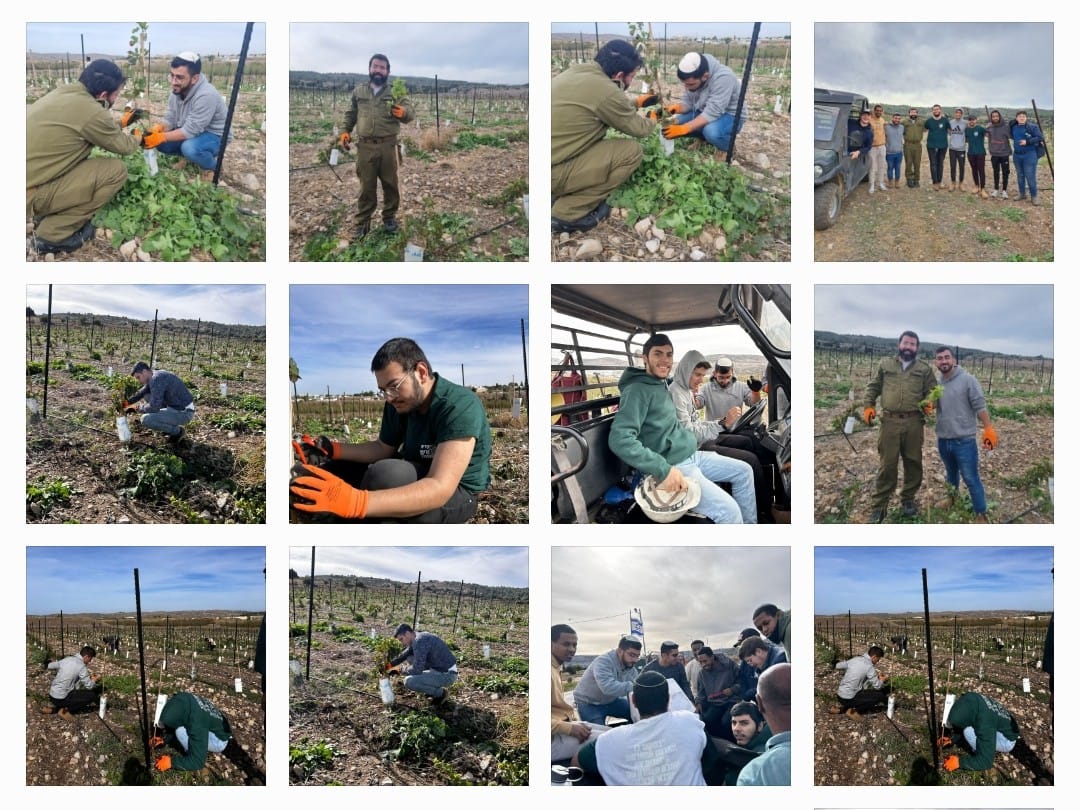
(679, 29)
(334, 331)
(221, 303)
(888, 579)
(166, 39)
(507, 566)
(78, 579)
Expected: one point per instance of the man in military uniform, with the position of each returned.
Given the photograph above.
(913, 135)
(586, 100)
(63, 188)
(901, 382)
(377, 118)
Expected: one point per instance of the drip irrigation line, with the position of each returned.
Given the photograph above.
(900, 730)
(397, 701)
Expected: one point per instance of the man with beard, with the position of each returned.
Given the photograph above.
(717, 691)
(913, 134)
(377, 118)
(194, 120)
(669, 664)
(937, 144)
(957, 149)
(64, 189)
(603, 689)
(707, 108)
(429, 462)
(751, 733)
(960, 409)
(902, 383)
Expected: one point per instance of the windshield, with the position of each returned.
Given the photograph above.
(825, 122)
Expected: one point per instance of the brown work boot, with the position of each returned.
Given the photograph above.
(207, 176)
(47, 710)
(946, 502)
(835, 709)
(952, 186)
(721, 157)
(64, 713)
(852, 713)
(983, 194)
(180, 164)
(981, 518)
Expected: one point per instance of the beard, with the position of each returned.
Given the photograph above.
(378, 79)
(907, 355)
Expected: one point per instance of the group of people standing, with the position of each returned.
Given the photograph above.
(895, 143)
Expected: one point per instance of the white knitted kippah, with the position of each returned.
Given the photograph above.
(690, 63)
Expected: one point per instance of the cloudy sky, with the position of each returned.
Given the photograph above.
(951, 64)
(335, 330)
(1007, 318)
(883, 579)
(678, 29)
(165, 38)
(101, 579)
(497, 53)
(507, 566)
(594, 588)
(221, 303)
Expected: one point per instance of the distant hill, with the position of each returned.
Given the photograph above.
(867, 344)
(416, 84)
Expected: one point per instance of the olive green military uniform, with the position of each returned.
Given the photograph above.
(64, 189)
(585, 167)
(901, 432)
(376, 149)
(913, 134)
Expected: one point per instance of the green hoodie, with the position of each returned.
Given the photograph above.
(987, 717)
(199, 717)
(646, 433)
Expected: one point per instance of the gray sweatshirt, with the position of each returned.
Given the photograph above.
(719, 95)
(605, 680)
(685, 407)
(165, 390)
(957, 141)
(961, 401)
(859, 674)
(203, 110)
(72, 673)
(1000, 139)
(894, 138)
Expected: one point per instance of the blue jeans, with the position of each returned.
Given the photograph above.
(213, 744)
(961, 460)
(1025, 172)
(1002, 744)
(430, 681)
(892, 162)
(167, 420)
(717, 132)
(719, 507)
(598, 713)
(202, 150)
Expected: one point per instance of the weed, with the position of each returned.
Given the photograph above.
(415, 734)
(253, 403)
(514, 766)
(910, 684)
(121, 684)
(47, 494)
(33, 367)
(310, 756)
(240, 422)
(185, 510)
(449, 772)
(1013, 214)
(841, 513)
(86, 373)
(1007, 412)
(501, 684)
(152, 473)
(517, 666)
(471, 140)
(990, 239)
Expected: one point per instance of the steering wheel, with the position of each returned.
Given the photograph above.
(749, 417)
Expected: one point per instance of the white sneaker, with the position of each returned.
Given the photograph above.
(993, 193)
(1004, 195)
(872, 189)
(881, 186)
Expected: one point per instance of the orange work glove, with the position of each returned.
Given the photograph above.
(990, 437)
(869, 415)
(158, 127)
(944, 741)
(163, 763)
(328, 493)
(654, 115)
(137, 134)
(647, 100)
(674, 109)
(156, 742)
(131, 116)
(952, 762)
(676, 131)
(153, 140)
(397, 111)
(345, 140)
(929, 409)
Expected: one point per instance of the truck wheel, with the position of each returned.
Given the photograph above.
(826, 206)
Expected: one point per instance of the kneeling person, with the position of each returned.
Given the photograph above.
(169, 404)
(434, 667)
(65, 696)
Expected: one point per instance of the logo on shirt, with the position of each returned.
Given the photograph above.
(427, 451)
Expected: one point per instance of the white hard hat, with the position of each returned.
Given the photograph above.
(666, 507)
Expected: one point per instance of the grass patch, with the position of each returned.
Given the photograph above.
(989, 239)
(47, 494)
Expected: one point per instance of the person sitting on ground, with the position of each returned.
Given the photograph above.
(716, 692)
(568, 733)
(862, 688)
(773, 766)
(603, 689)
(65, 696)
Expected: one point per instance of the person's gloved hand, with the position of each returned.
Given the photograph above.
(156, 742)
(952, 762)
(397, 111)
(325, 492)
(676, 131)
(153, 140)
(990, 437)
(754, 384)
(322, 446)
(944, 741)
(158, 127)
(163, 763)
(131, 116)
(647, 100)
(675, 109)
(929, 409)
(345, 140)
(654, 114)
(869, 415)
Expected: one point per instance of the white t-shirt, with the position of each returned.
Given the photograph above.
(661, 750)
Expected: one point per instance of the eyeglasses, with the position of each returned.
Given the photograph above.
(393, 391)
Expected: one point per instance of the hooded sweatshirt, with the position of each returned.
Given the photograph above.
(987, 717)
(683, 398)
(1000, 139)
(646, 433)
(719, 95)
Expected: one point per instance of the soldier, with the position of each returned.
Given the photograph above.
(913, 134)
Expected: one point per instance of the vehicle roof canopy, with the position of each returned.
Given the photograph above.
(837, 97)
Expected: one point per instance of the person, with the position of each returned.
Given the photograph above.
(860, 136)
(669, 664)
(894, 150)
(685, 391)
(1000, 137)
(646, 434)
(725, 395)
(662, 748)
(198, 727)
(586, 101)
(609, 678)
(433, 666)
(707, 109)
(901, 382)
(377, 118)
(914, 128)
(693, 667)
(169, 404)
(773, 767)
(957, 149)
(64, 186)
(877, 149)
(429, 462)
(975, 136)
(1027, 141)
(750, 731)
(775, 625)
(960, 409)
(758, 654)
(861, 687)
(986, 726)
(716, 692)
(937, 142)
(194, 125)
(568, 733)
(65, 696)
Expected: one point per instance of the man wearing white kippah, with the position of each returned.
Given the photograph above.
(707, 109)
